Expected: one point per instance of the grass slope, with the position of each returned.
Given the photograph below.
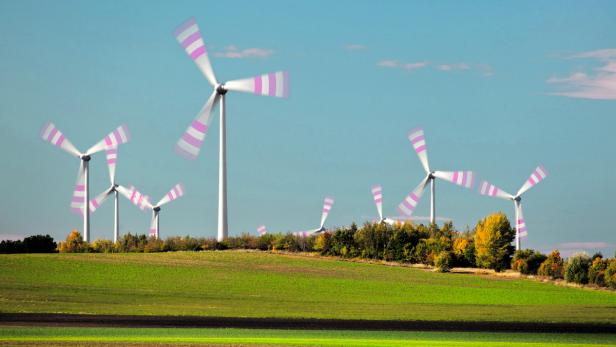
(254, 284)
(143, 337)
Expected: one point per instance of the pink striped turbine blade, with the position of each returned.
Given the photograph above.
(99, 199)
(138, 199)
(302, 233)
(112, 156)
(418, 140)
(377, 195)
(486, 188)
(537, 176)
(79, 194)
(189, 37)
(51, 134)
(262, 230)
(189, 145)
(327, 206)
(269, 84)
(520, 224)
(115, 138)
(407, 206)
(461, 178)
(175, 192)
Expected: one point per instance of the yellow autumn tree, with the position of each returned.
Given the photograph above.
(493, 237)
(74, 244)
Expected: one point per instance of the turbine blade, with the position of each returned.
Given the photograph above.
(126, 192)
(407, 206)
(303, 233)
(175, 192)
(327, 206)
(486, 188)
(138, 199)
(417, 138)
(115, 138)
(189, 145)
(377, 195)
(269, 84)
(189, 37)
(262, 230)
(99, 199)
(520, 224)
(112, 155)
(537, 176)
(462, 178)
(77, 203)
(51, 134)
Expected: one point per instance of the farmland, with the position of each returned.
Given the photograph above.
(255, 284)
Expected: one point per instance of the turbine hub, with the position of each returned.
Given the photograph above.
(220, 89)
(517, 198)
(85, 157)
(431, 175)
(156, 209)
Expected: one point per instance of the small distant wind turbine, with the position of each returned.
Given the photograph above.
(142, 201)
(520, 225)
(112, 155)
(271, 84)
(461, 178)
(327, 206)
(377, 195)
(262, 230)
(81, 194)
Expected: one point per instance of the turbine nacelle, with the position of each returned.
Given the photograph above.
(220, 89)
(156, 208)
(85, 157)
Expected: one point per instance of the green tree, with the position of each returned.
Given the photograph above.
(74, 244)
(576, 268)
(493, 237)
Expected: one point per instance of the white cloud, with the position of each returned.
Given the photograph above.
(355, 47)
(395, 64)
(453, 67)
(233, 52)
(12, 237)
(486, 70)
(598, 83)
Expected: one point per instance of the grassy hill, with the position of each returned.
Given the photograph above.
(254, 284)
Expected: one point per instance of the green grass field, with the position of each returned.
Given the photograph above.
(39, 336)
(255, 284)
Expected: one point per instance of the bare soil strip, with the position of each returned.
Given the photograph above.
(77, 320)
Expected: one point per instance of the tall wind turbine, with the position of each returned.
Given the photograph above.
(271, 84)
(461, 178)
(142, 201)
(81, 194)
(520, 225)
(327, 206)
(112, 155)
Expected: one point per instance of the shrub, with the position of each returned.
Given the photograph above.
(74, 244)
(102, 246)
(323, 243)
(11, 246)
(596, 272)
(576, 268)
(610, 273)
(553, 266)
(493, 237)
(372, 239)
(265, 242)
(39, 244)
(343, 242)
(527, 261)
(443, 261)
(400, 245)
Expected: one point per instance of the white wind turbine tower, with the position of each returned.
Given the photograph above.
(112, 155)
(520, 225)
(461, 178)
(271, 84)
(142, 201)
(81, 194)
(327, 206)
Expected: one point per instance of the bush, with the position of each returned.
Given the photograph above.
(343, 242)
(74, 244)
(323, 243)
(443, 261)
(576, 268)
(372, 239)
(527, 261)
(493, 237)
(596, 272)
(102, 246)
(11, 246)
(265, 242)
(553, 266)
(610, 273)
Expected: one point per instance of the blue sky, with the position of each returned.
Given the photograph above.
(499, 89)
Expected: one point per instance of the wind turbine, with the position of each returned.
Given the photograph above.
(377, 195)
(461, 178)
(114, 188)
(81, 194)
(188, 146)
(327, 206)
(142, 201)
(262, 230)
(520, 225)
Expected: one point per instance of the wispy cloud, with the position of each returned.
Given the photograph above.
(355, 47)
(598, 83)
(12, 237)
(484, 69)
(233, 52)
